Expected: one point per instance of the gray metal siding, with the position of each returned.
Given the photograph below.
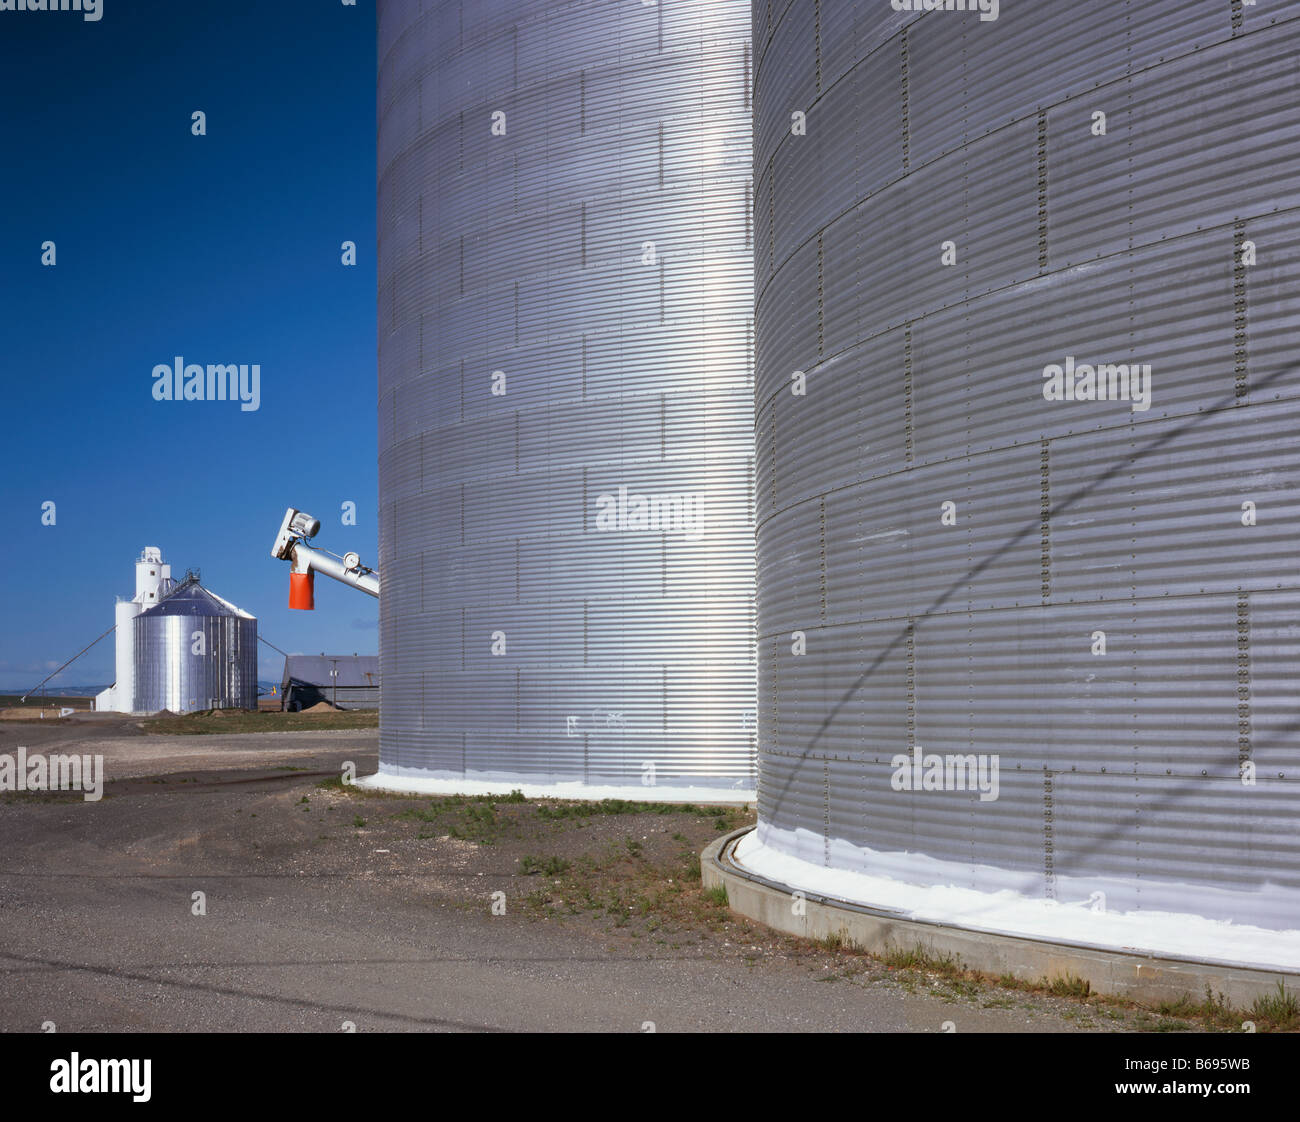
(924, 385)
(625, 123)
(169, 675)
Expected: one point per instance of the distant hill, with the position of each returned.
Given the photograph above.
(91, 691)
(59, 691)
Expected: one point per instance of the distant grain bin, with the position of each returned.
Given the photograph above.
(193, 651)
(565, 393)
(1028, 483)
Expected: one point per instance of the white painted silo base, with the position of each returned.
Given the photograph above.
(412, 781)
(1065, 921)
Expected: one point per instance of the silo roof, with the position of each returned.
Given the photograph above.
(191, 599)
(314, 670)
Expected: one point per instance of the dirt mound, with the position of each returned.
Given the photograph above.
(321, 707)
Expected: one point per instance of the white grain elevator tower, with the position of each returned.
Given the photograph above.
(153, 580)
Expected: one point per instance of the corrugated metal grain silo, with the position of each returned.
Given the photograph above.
(565, 393)
(193, 651)
(1028, 490)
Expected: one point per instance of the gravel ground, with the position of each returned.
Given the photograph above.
(325, 905)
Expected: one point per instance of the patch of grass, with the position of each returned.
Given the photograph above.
(1145, 1022)
(589, 861)
(1067, 985)
(1176, 1008)
(638, 890)
(46, 701)
(335, 783)
(1280, 1010)
(469, 817)
(250, 721)
(918, 970)
(419, 814)
(546, 866)
(1213, 1009)
(918, 958)
(964, 988)
(358, 821)
(624, 806)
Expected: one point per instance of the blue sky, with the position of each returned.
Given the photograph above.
(223, 248)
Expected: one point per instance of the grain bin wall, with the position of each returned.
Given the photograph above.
(1102, 594)
(193, 651)
(565, 392)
